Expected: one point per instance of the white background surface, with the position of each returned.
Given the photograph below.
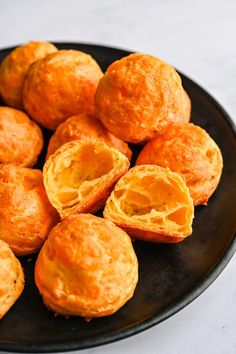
(198, 37)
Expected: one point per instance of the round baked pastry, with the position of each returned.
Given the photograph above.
(85, 127)
(81, 174)
(151, 203)
(90, 266)
(26, 216)
(11, 278)
(138, 97)
(21, 140)
(187, 108)
(15, 66)
(61, 85)
(188, 150)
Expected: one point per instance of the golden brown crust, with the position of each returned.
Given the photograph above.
(138, 97)
(188, 150)
(91, 267)
(85, 127)
(11, 278)
(187, 108)
(80, 175)
(14, 68)
(26, 216)
(147, 235)
(21, 139)
(151, 203)
(61, 85)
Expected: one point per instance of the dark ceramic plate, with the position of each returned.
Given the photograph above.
(171, 276)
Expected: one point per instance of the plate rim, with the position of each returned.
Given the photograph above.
(171, 309)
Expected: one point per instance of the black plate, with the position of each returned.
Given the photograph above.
(171, 276)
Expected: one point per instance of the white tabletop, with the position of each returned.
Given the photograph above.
(198, 37)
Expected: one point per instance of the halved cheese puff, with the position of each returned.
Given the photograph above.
(151, 203)
(11, 278)
(81, 174)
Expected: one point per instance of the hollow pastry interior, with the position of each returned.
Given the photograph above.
(154, 199)
(77, 176)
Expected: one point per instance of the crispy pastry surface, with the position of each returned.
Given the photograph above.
(81, 174)
(188, 150)
(138, 97)
(26, 216)
(61, 85)
(90, 266)
(21, 139)
(153, 204)
(187, 108)
(85, 127)
(11, 278)
(14, 67)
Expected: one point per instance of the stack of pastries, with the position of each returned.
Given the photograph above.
(86, 264)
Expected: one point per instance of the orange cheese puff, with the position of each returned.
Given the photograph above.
(151, 203)
(85, 127)
(80, 176)
(61, 85)
(26, 216)
(87, 267)
(21, 140)
(188, 150)
(14, 68)
(138, 97)
(11, 278)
